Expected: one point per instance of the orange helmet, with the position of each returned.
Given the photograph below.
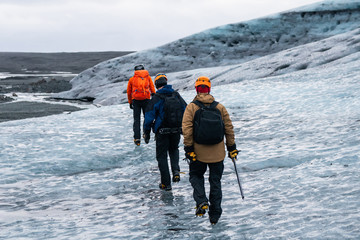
(203, 81)
(159, 75)
(160, 80)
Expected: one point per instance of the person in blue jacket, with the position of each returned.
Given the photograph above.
(164, 116)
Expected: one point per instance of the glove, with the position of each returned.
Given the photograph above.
(233, 152)
(191, 156)
(131, 106)
(189, 153)
(146, 137)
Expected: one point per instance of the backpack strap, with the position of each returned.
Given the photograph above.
(201, 105)
(214, 104)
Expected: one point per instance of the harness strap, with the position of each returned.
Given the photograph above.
(170, 130)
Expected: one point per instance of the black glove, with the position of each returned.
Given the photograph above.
(146, 137)
(189, 153)
(232, 152)
(131, 106)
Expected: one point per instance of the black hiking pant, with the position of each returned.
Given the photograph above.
(197, 171)
(138, 106)
(167, 143)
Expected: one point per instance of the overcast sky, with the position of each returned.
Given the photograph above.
(119, 25)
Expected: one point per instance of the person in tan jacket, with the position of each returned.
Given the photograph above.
(202, 156)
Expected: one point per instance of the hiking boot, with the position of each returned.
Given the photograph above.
(176, 178)
(213, 220)
(137, 142)
(201, 209)
(164, 187)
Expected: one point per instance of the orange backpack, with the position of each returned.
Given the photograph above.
(141, 85)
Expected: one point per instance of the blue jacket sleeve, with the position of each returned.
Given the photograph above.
(150, 115)
(154, 114)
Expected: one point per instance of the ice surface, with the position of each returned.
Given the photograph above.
(79, 175)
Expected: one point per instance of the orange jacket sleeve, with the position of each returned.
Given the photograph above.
(129, 90)
(152, 88)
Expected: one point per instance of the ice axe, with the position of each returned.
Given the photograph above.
(238, 179)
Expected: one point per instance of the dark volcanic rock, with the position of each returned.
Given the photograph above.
(46, 63)
(4, 98)
(74, 62)
(22, 110)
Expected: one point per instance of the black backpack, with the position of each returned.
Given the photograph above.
(173, 110)
(209, 127)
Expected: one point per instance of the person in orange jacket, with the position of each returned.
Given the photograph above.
(140, 88)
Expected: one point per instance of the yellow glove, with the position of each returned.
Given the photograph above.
(191, 156)
(233, 154)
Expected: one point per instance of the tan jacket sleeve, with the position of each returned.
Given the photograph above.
(188, 123)
(229, 128)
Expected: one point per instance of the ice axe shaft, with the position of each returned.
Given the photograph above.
(238, 179)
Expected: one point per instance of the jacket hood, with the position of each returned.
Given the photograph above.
(141, 73)
(166, 89)
(204, 98)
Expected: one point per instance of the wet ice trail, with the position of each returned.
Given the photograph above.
(79, 175)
